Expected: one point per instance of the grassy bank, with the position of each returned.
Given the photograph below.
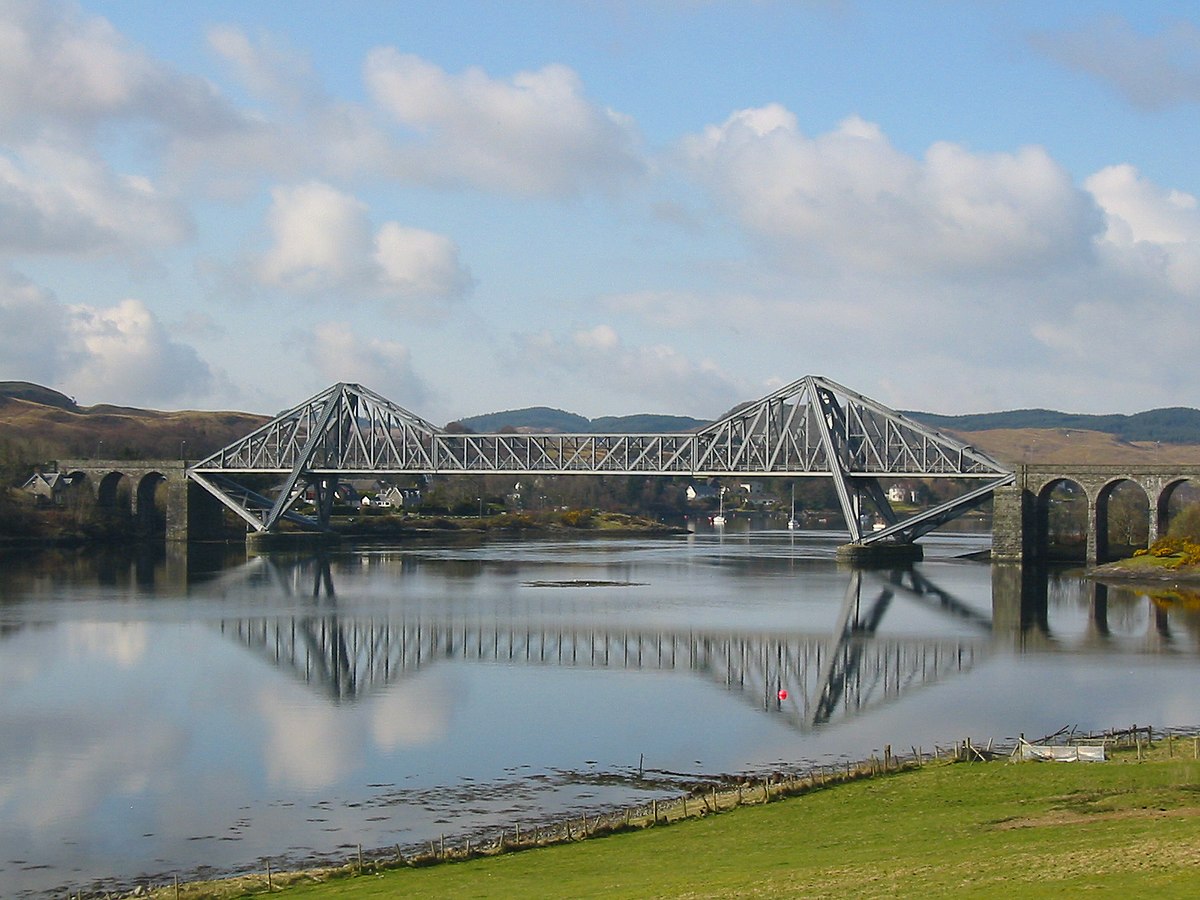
(995, 828)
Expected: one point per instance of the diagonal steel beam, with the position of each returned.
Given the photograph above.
(286, 498)
(828, 421)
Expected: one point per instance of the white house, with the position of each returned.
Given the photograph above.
(48, 487)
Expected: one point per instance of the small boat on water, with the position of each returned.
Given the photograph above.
(792, 523)
(718, 521)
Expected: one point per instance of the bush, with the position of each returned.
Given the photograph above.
(1186, 525)
(1180, 551)
(577, 518)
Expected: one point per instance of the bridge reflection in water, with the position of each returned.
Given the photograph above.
(826, 676)
(1022, 597)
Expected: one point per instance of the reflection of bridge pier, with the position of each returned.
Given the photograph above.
(1159, 637)
(1020, 604)
(1098, 611)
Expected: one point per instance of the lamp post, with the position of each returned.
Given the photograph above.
(183, 450)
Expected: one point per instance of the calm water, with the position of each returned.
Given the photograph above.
(201, 715)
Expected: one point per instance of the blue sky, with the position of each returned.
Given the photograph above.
(609, 207)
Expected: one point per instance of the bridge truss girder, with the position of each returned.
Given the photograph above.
(811, 427)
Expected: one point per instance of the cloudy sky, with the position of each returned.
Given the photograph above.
(608, 206)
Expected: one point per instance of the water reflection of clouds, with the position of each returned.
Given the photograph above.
(416, 713)
(110, 760)
(309, 747)
(63, 753)
(121, 642)
(313, 746)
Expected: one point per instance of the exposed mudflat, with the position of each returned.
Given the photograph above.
(583, 582)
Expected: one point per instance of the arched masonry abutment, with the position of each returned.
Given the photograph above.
(185, 504)
(1015, 526)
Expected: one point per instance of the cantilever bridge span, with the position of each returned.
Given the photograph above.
(812, 427)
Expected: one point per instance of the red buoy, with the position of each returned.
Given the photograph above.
(782, 694)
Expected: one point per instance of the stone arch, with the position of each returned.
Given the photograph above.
(79, 496)
(82, 479)
(114, 503)
(114, 491)
(1061, 520)
(1175, 495)
(1122, 520)
(150, 511)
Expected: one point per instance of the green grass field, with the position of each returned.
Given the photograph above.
(974, 829)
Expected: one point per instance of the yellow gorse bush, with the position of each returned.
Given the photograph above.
(1181, 551)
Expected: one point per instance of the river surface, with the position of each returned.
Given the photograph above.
(208, 711)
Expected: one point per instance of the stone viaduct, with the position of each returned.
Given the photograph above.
(190, 512)
(1021, 512)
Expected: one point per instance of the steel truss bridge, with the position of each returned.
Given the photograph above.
(814, 427)
(829, 677)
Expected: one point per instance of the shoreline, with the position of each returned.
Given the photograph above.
(708, 796)
(1128, 572)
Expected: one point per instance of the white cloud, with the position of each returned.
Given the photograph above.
(55, 201)
(416, 263)
(650, 377)
(121, 351)
(33, 330)
(1153, 233)
(536, 133)
(267, 67)
(63, 68)
(323, 244)
(383, 366)
(126, 352)
(1151, 71)
(987, 275)
(849, 198)
(65, 73)
(321, 239)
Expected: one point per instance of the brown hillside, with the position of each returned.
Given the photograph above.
(1060, 445)
(34, 432)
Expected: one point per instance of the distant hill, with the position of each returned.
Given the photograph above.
(645, 423)
(35, 393)
(1174, 425)
(39, 425)
(533, 419)
(544, 420)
